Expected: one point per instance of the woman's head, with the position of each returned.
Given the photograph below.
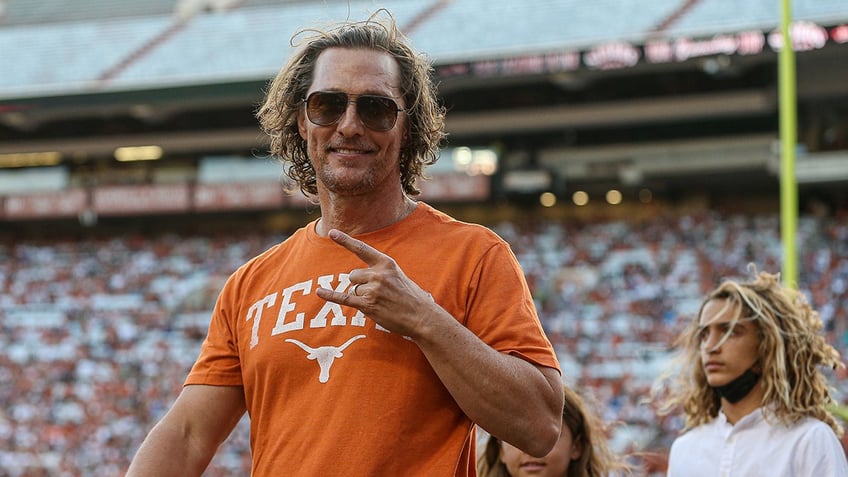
(580, 452)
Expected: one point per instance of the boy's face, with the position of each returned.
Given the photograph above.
(728, 349)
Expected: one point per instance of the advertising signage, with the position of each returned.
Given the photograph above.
(805, 36)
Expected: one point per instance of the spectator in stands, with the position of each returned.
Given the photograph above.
(372, 340)
(751, 389)
(582, 449)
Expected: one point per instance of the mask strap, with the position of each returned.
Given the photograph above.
(737, 389)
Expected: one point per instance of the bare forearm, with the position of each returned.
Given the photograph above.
(167, 451)
(186, 439)
(507, 396)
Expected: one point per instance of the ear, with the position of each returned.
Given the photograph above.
(757, 367)
(576, 449)
(301, 123)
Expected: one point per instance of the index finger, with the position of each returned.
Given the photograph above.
(365, 252)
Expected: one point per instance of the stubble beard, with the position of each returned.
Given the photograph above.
(346, 180)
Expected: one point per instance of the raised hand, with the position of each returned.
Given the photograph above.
(382, 291)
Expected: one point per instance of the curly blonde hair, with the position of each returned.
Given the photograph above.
(284, 97)
(792, 352)
(587, 430)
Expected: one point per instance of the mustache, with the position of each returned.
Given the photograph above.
(350, 145)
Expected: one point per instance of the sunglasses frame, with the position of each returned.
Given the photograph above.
(354, 98)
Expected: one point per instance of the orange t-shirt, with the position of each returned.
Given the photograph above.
(331, 393)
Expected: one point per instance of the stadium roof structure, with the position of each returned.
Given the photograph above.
(632, 93)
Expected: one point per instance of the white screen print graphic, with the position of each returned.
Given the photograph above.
(324, 355)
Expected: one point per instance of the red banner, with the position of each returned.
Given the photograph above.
(455, 188)
(239, 195)
(141, 199)
(67, 203)
(806, 36)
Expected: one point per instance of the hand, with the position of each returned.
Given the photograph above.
(383, 292)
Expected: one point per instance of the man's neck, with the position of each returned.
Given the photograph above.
(359, 215)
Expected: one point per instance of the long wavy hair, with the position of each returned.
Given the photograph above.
(284, 97)
(587, 431)
(792, 354)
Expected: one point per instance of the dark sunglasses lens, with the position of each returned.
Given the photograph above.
(376, 112)
(324, 108)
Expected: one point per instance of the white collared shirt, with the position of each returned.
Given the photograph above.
(755, 447)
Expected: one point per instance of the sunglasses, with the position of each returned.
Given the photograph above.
(378, 113)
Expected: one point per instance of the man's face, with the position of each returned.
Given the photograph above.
(727, 349)
(348, 157)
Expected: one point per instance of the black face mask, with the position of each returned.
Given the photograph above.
(737, 389)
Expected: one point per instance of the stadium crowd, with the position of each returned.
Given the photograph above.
(98, 335)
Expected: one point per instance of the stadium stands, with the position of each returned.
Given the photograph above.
(98, 334)
(251, 38)
(27, 13)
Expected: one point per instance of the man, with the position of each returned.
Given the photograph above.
(753, 395)
(371, 340)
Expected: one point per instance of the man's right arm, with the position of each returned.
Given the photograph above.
(185, 440)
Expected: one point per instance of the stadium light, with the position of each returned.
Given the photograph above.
(613, 197)
(138, 153)
(548, 199)
(30, 159)
(474, 161)
(580, 198)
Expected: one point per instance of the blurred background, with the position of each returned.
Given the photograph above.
(629, 151)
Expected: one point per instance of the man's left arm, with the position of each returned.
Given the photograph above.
(511, 398)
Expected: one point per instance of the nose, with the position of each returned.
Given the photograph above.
(711, 342)
(349, 124)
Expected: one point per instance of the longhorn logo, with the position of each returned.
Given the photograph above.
(325, 355)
